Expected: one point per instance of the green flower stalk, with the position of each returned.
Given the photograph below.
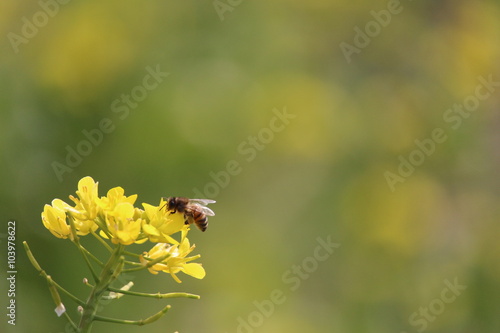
(116, 223)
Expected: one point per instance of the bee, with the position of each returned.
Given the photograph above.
(194, 210)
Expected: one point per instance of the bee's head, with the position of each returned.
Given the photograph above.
(171, 202)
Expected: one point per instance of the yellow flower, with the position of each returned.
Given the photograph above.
(108, 208)
(115, 196)
(54, 219)
(176, 260)
(86, 208)
(122, 224)
(159, 224)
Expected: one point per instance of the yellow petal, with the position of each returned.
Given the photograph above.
(175, 277)
(87, 183)
(115, 192)
(150, 230)
(125, 209)
(140, 241)
(195, 270)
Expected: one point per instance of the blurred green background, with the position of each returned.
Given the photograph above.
(323, 174)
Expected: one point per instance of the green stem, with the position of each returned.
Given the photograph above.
(102, 241)
(132, 254)
(109, 273)
(93, 257)
(102, 226)
(141, 322)
(86, 259)
(76, 241)
(155, 295)
(71, 322)
(42, 272)
(133, 263)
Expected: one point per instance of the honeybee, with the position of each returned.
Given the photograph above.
(194, 210)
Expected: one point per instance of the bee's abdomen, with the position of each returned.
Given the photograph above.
(201, 220)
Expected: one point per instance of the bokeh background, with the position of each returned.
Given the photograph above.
(322, 176)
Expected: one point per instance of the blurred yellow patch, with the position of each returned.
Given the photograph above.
(87, 52)
(323, 121)
(399, 221)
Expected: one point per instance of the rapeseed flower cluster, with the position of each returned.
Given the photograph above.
(115, 218)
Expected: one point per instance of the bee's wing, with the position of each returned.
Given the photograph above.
(208, 211)
(205, 210)
(203, 202)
